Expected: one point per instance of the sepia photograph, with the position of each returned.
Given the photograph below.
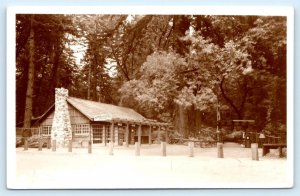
(150, 97)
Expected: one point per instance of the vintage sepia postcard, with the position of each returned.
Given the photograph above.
(149, 97)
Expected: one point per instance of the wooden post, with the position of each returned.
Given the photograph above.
(137, 148)
(40, 144)
(163, 149)
(49, 143)
(280, 152)
(90, 147)
(112, 129)
(220, 150)
(254, 149)
(150, 135)
(105, 135)
(191, 149)
(53, 145)
(25, 143)
(90, 142)
(111, 148)
(127, 135)
(140, 134)
(70, 146)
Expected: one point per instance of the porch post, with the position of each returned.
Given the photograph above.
(126, 134)
(139, 133)
(91, 129)
(112, 128)
(90, 141)
(129, 134)
(105, 135)
(158, 134)
(150, 135)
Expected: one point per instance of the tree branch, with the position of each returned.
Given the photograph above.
(229, 100)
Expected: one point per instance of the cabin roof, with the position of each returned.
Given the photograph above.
(104, 112)
(92, 109)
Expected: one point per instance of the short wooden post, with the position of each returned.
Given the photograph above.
(191, 149)
(150, 135)
(89, 147)
(137, 148)
(49, 143)
(40, 144)
(53, 145)
(163, 149)
(254, 149)
(220, 150)
(25, 143)
(280, 152)
(70, 146)
(111, 148)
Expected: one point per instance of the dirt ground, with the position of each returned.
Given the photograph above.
(79, 169)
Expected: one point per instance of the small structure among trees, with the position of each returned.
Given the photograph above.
(82, 121)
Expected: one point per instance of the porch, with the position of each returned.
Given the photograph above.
(120, 132)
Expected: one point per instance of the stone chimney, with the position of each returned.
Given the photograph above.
(61, 125)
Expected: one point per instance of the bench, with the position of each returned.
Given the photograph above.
(267, 147)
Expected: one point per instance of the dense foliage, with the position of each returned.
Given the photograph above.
(176, 69)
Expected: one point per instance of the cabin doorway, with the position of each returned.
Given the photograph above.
(97, 134)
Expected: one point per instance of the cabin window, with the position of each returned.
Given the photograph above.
(81, 129)
(46, 130)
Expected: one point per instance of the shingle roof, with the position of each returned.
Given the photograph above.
(91, 109)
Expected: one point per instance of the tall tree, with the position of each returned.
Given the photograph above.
(96, 30)
(42, 57)
(30, 83)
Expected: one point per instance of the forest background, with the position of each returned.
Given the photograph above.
(173, 68)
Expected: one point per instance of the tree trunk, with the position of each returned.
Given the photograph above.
(187, 121)
(29, 91)
(89, 83)
(180, 120)
(191, 121)
(55, 56)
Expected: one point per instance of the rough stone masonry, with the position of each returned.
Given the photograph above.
(61, 125)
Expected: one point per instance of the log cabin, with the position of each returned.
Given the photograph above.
(82, 121)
